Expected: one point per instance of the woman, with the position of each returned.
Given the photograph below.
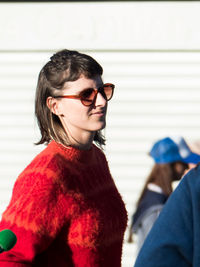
(171, 157)
(65, 209)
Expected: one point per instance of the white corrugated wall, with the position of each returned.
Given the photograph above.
(157, 90)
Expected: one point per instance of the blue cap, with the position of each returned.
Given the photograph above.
(170, 149)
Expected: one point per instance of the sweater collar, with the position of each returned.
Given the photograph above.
(72, 153)
(155, 188)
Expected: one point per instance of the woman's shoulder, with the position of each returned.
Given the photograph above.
(99, 152)
(45, 165)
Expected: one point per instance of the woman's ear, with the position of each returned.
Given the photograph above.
(53, 104)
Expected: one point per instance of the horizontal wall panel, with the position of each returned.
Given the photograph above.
(100, 25)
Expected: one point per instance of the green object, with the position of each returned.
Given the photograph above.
(7, 240)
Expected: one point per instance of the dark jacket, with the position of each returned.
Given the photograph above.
(174, 240)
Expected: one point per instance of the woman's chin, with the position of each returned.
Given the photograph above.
(100, 126)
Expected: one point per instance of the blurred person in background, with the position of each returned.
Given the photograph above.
(174, 238)
(171, 157)
(65, 208)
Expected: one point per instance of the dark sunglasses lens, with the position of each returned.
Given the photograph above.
(87, 97)
(108, 91)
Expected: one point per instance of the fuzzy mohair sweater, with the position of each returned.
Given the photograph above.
(65, 211)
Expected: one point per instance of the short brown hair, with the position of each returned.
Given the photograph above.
(65, 65)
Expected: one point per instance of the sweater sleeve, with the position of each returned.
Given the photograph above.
(35, 214)
(170, 242)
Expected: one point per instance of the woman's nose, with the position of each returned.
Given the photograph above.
(100, 100)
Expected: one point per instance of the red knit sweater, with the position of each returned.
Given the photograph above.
(65, 211)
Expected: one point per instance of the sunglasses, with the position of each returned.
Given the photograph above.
(89, 95)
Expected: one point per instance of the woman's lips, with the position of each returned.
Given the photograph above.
(99, 113)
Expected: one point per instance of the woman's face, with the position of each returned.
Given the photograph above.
(79, 120)
(190, 166)
(179, 170)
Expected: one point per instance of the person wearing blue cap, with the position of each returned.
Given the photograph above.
(171, 156)
(175, 237)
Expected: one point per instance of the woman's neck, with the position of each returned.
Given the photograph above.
(83, 142)
(77, 137)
